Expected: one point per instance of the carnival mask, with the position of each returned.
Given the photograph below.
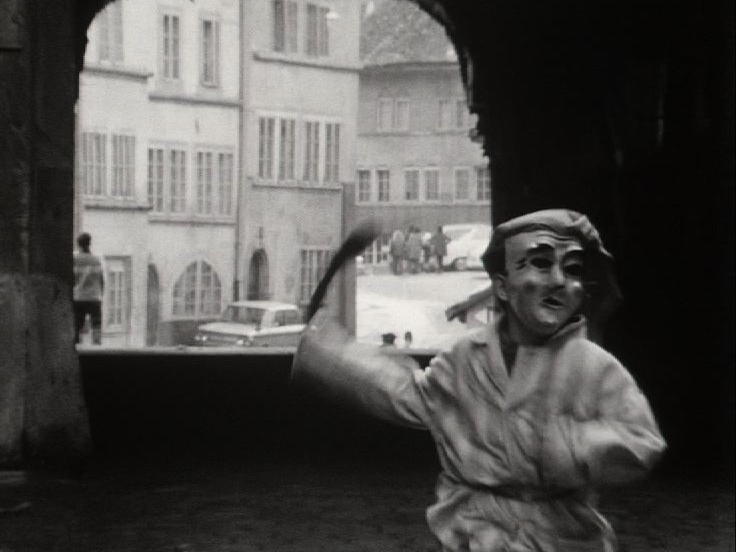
(543, 283)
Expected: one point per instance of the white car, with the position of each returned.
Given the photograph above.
(253, 324)
(467, 244)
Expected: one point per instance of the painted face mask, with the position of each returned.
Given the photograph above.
(543, 284)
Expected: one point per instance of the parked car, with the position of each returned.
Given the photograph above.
(467, 243)
(253, 324)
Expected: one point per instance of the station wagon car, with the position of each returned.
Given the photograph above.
(253, 324)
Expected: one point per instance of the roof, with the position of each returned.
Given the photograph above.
(399, 32)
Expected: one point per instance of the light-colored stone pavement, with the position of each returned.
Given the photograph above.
(358, 505)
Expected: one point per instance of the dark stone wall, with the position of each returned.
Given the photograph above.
(624, 110)
(144, 404)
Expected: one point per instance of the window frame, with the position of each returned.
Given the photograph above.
(93, 160)
(486, 195)
(361, 194)
(380, 198)
(467, 170)
(417, 193)
(169, 62)
(310, 274)
(214, 81)
(209, 200)
(195, 295)
(122, 165)
(425, 186)
(117, 300)
(110, 33)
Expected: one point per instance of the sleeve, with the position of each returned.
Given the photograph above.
(384, 385)
(620, 444)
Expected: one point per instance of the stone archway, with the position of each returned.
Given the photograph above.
(258, 276)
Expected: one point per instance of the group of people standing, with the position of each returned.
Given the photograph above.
(415, 251)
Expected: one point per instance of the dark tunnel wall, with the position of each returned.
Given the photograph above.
(178, 404)
(624, 111)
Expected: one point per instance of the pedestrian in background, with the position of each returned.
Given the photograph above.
(439, 245)
(396, 250)
(427, 251)
(89, 285)
(414, 249)
(408, 339)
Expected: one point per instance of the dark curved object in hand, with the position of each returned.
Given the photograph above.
(359, 239)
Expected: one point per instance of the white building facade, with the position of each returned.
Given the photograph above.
(157, 163)
(215, 138)
(300, 92)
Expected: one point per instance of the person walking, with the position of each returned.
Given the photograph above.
(414, 249)
(89, 285)
(439, 243)
(396, 250)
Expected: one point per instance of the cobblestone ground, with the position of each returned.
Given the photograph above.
(306, 506)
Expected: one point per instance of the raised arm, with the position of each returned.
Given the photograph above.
(385, 385)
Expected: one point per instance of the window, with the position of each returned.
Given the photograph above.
(285, 25)
(401, 115)
(392, 114)
(317, 33)
(382, 175)
(93, 163)
(311, 151)
(177, 180)
(377, 253)
(167, 180)
(224, 184)
(214, 182)
(313, 263)
(286, 317)
(170, 46)
(266, 127)
(123, 165)
(209, 73)
(444, 116)
(110, 33)
(461, 114)
(431, 184)
(364, 186)
(484, 183)
(287, 149)
(277, 148)
(332, 152)
(411, 184)
(462, 184)
(204, 171)
(385, 114)
(198, 291)
(117, 294)
(156, 179)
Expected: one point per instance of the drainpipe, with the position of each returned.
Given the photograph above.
(241, 147)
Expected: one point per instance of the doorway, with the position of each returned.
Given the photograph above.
(258, 276)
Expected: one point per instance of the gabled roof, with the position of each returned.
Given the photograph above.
(399, 32)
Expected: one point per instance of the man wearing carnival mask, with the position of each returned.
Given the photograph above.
(528, 415)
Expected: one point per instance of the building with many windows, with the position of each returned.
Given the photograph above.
(417, 165)
(300, 92)
(157, 163)
(214, 138)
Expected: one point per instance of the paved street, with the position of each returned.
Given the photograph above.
(355, 505)
(413, 302)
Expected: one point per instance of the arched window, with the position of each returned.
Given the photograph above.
(198, 291)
